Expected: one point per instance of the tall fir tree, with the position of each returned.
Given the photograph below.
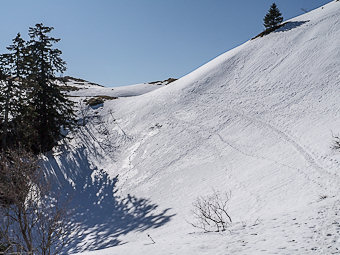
(6, 94)
(24, 134)
(273, 17)
(12, 69)
(53, 110)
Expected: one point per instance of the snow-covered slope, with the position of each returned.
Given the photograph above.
(256, 121)
(83, 88)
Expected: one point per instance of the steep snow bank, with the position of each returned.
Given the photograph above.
(256, 121)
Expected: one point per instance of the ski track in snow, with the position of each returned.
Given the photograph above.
(318, 175)
(212, 130)
(320, 172)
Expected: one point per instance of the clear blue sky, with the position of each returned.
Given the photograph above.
(121, 42)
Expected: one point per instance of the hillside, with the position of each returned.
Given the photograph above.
(82, 88)
(257, 121)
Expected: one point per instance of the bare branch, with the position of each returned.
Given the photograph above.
(32, 221)
(211, 212)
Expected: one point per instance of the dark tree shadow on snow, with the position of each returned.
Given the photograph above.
(281, 28)
(99, 215)
(290, 25)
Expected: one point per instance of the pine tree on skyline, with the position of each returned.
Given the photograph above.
(273, 17)
(54, 110)
(34, 112)
(11, 93)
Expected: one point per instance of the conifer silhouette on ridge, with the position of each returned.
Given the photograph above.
(53, 109)
(273, 17)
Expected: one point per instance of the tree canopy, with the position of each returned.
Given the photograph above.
(273, 17)
(33, 110)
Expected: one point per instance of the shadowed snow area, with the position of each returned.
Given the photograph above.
(291, 25)
(256, 121)
(99, 215)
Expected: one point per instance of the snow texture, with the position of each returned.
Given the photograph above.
(257, 121)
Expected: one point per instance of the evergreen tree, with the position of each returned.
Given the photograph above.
(11, 94)
(18, 54)
(33, 110)
(53, 110)
(273, 17)
(5, 95)
(24, 134)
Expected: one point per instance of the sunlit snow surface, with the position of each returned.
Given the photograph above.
(257, 121)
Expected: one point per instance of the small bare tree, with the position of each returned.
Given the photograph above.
(211, 212)
(336, 142)
(31, 220)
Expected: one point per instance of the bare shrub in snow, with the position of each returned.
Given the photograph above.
(336, 143)
(31, 220)
(211, 212)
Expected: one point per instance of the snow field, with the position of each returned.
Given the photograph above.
(257, 121)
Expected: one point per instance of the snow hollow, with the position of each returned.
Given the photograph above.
(257, 122)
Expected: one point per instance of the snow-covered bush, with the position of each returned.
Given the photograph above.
(211, 212)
